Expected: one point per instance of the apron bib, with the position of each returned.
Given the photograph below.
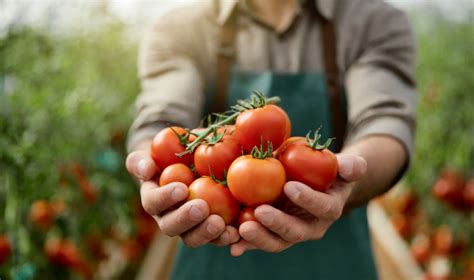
(344, 252)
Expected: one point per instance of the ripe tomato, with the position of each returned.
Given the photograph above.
(216, 158)
(65, 253)
(269, 123)
(443, 240)
(5, 248)
(247, 214)
(166, 144)
(255, 181)
(41, 214)
(303, 163)
(420, 248)
(177, 172)
(218, 197)
(468, 193)
(283, 146)
(402, 225)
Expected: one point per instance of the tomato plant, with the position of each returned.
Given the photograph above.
(257, 178)
(218, 197)
(167, 144)
(266, 123)
(308, 162)
(215, 155)
(177, 172)
(65, 253)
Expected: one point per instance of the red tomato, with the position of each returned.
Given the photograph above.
(41, 214)
(420, 248)
(254, 181)
(247, 214)
(315, 168)
(269, 123)
(283, 146)
(216, 158)
(65, 253)
(468, 193)
(5, 248)
(218, 197)
(227, 129)
(166, 144)
(177, 172)
(443, 240)
(402, 225)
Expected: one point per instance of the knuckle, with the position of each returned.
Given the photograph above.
(298, 236)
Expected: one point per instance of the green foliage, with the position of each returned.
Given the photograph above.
(445, 129)
(64, 99)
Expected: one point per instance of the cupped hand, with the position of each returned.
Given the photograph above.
(307, 216)
(191, 220)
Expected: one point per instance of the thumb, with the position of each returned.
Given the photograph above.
(351, 167)
(141, 165)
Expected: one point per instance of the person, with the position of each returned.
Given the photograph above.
(348, 65)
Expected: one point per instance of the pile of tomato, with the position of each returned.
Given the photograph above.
(442, 253)
(243, 161)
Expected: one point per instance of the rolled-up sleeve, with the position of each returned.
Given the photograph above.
(172, 87)
(380, 84)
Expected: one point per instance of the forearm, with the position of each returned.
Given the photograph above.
(385, 158)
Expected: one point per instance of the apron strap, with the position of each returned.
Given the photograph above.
(225, 58)
(338, 114)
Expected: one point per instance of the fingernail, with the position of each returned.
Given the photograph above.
(195, 213)
(292, 191)
(346, 164)
(178, 194)
(266, 218)
(141, 167)
(212, 229)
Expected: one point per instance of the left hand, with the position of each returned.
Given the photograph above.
(308, 215)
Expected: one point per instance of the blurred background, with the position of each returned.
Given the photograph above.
(68, 209)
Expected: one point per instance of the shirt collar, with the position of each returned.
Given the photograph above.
(225, 7)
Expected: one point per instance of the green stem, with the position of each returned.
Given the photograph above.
(230, 119)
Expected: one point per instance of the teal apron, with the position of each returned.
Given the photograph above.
(344, 252)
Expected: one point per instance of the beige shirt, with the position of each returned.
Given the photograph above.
(375, 54)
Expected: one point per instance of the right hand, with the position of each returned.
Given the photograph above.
(191, 220)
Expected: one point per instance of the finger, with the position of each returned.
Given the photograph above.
(188, 215)
(157, 199)
(351, 167)
(207, 231)
(290, 228)
(141, 165)
(261, 238)
(229, 236)
(240, 247)
(319, 204)
(341, 190)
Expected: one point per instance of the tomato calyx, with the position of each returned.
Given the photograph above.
(183, 139)
(257, 100)
(261, 153)
(222, 182)
(214, 137)
(314, 144)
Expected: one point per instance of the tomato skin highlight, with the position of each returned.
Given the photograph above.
(269, 123)
(247, 214)
(166, 145)
(256, 181)
(218, 197)
(177, 172)
(216, 158)
(315, 168)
